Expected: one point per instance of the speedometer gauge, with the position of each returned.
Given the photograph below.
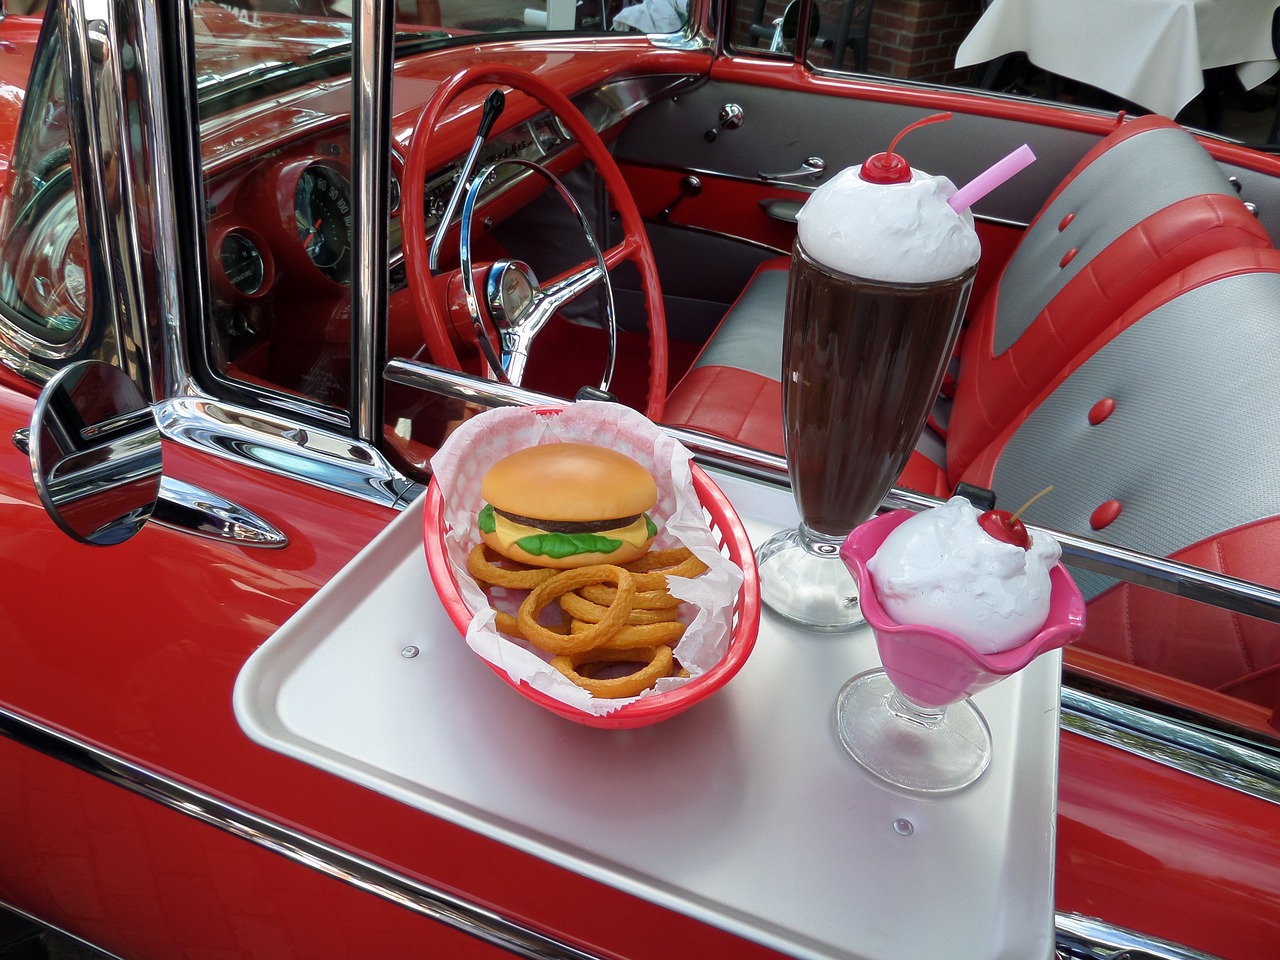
(322, 212)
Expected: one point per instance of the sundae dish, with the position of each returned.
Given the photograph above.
(942, 568)
(958, 600)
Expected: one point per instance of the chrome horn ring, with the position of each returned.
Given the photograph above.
(525, 306)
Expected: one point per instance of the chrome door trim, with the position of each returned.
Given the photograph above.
(363, 874)
(285, 448)
(1237, 762)
(1086, 938)
(372, 33)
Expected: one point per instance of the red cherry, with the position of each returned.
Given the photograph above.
(1004, 526)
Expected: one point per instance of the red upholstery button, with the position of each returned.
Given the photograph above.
(1068, 256)
(1101, 410)
(1105, 515)
(1066, 221)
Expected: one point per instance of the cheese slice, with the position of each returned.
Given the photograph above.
(508, 533)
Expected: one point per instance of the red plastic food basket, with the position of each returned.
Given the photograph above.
(732, 537)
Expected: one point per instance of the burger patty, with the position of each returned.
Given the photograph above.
(570, 526)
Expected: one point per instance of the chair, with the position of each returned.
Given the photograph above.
(852, 31)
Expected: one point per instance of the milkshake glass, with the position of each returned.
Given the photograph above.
(880, 277)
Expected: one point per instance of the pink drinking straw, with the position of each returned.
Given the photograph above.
(988, 180)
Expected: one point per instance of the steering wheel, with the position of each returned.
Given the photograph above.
(535, 303)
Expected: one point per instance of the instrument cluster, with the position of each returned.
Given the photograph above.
(284, 224)
(287, 224)
(288, 220)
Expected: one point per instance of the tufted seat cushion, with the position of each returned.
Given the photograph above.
(1145, 203)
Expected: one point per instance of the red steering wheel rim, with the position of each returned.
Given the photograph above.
(427, 291)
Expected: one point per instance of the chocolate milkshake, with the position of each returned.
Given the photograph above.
(862, 362)
(880, 277)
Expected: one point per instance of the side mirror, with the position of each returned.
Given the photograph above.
(95, 453)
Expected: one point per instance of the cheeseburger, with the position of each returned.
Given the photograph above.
(567, 505)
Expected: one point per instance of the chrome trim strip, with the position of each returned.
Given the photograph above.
(1213, 755)
(284, 448)
(804, 188)
(720, 235)
(191, 509)
(1077, 937)
(363, 874)
(372, 29)
(1085, 938)
(488, 393)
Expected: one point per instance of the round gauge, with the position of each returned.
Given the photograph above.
(322, 212)
(242, 263)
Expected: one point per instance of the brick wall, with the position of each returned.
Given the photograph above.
(918, 39)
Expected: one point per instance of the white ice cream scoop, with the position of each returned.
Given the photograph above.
(941, 569)
(883, 220)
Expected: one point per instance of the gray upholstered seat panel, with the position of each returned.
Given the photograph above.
(1172, 167)
(750, 338)
(1193, 446)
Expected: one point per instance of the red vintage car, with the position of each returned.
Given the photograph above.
(259, 265)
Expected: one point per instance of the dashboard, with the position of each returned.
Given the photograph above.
(287, 221)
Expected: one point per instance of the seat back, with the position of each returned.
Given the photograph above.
(1164, 437)
(1144, 203)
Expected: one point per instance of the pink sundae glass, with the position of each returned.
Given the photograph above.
(912, 723)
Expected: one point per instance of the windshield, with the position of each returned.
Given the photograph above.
(282, 44)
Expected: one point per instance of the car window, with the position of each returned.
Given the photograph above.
(274, 109)
(984, 47)
(44, 285)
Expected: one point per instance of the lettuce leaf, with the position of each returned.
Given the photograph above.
(561, 545)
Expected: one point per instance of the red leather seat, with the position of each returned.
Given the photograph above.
(1163, 435)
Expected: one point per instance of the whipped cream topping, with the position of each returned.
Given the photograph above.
(897, 232)
(941, 569)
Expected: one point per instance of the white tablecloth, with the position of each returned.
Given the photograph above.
(1150, 52)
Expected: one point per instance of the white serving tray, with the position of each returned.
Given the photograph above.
(744, 812)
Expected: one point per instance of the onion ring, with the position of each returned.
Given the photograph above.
(595, 634)
(632, 635)
(645, 599)
(574, 604)
(659, 664)
(654, 567)
(480, 567)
